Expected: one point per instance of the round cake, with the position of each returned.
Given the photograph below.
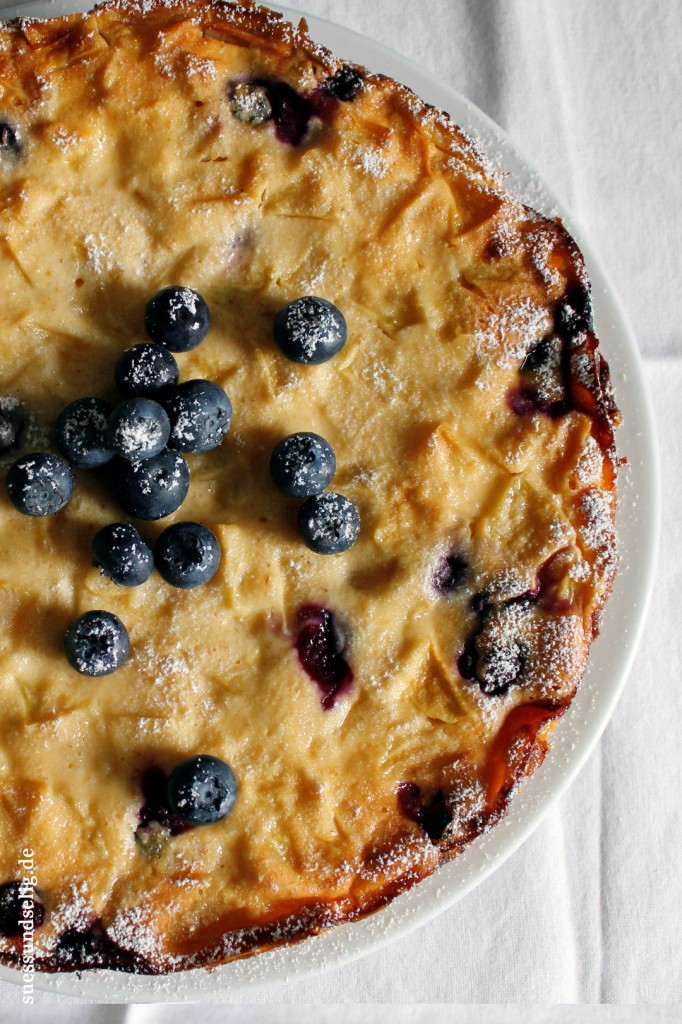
(288, 614)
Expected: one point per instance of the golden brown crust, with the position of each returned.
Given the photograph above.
(519, 279)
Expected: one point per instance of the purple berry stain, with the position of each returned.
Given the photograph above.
(322, 652)
(432, 816)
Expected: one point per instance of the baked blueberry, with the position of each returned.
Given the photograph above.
(146, 371)
(310, 330)
(573, 315)
(138, 429)
(303, 465)
(450, 574)
(19, 903)
(329, 523)
(96, 644)
(344, 84)
(81, 432)
(177, 318)
(39, 484)
(433, 816)
(153, 488)
(249, 103)
(121, 554)
(11, 142)
(200, 415)
(13, 420)
(322, 649)
(202, 790)
(187, 555)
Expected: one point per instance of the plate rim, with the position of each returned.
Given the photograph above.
(413, 909)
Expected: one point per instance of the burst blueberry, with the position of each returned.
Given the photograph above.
(138, 429)
(153, 488)
(39, 484)
(202, 790)
(200, 415)
(187, 555)
(81, 433)
(310, 331)
(303, 465)
(96, 644)
(121, 554)
(177, 318)
(329, 523)
(249, 103)
(146, 371)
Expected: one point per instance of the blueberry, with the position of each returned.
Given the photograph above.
(450, 574)
(344, 84)
(13, 421)
(96, 644)
(122, 555)
(11, 142)
(200, 415)
(573, 315)
(322, 650)
(202, 790)
(138, 429)
(249, 103)
(14, 898)
(153, 488)
(177, 318)
(303, 465)
(81, 432)
(39, 484)
(145, 371)
(329, 523)
(310, 331)
(187, 555)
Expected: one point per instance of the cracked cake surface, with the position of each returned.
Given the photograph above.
(377, 706)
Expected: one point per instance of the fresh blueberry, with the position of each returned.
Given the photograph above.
(303, 465)
(11, 142)
(153, 488)
(13, 421)
(249, 103)
(450, 574)
(329, 523)
(187, 555)
(177, 318)
(322, 650)
(310, 331)
(138, 429)
(202, 790)
(122, 555)
(81, 432)
(96, 644)
(200, 415)
(15, 898)
(146, 371)
(39, 484)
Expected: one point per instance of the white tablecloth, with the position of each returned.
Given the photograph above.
(588, 910)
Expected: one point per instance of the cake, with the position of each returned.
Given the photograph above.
(372, 705)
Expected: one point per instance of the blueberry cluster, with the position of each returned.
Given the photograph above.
(144, 439)
(311, 331)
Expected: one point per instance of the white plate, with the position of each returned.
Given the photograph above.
(611, 656)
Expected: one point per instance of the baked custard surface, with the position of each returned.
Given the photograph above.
(472, 419)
